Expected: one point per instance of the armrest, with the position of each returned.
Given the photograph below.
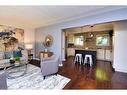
(3, 82)
(51, 62)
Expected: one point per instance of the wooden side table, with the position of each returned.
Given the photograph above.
(44, 54)
(35, 62)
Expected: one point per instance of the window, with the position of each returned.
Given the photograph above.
(79, 40)
(102, 40)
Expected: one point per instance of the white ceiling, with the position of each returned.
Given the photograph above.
(38, 16)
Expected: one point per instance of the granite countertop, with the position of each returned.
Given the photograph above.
(86, 49)
(76, 48)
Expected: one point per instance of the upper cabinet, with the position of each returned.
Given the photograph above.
(75, 40)
(79, 40)
(70, 38)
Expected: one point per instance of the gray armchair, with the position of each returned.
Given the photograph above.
(49, 65)
(3, 82)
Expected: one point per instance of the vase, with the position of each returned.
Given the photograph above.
(12, 61)
(17, 63)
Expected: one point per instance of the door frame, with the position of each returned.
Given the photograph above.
(63, 45)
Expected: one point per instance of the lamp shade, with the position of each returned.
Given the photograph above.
(29, 46)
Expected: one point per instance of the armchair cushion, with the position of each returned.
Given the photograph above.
(50, 66)
(3, 82)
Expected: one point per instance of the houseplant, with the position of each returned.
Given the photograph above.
(17, 60)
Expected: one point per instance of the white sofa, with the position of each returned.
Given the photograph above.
(24, 57)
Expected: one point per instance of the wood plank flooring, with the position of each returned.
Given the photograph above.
(100, 76)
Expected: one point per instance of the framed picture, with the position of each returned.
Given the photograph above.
(102, 40)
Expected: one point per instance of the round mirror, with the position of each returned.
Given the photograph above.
(48, 40)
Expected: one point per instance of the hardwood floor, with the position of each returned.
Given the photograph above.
(100, 76)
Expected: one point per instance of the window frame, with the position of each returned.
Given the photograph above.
(106, 36)
(76, 37)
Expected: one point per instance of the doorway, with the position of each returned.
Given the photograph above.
(98, 37)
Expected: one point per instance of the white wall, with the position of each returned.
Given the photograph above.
(40, 36)
(56, 30)
(120, 46)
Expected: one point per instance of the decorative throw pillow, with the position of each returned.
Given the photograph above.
(24, 53)
(1, 55)
(8, 54)
(17, 54)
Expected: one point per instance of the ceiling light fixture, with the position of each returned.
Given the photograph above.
(90, 33)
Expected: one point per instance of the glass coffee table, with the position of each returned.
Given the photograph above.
(15, 71)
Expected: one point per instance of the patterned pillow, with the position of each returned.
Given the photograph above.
(17, 54)
(24, 53)
(1, 55)
(8, 54)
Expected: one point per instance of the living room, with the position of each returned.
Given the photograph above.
(39, 31)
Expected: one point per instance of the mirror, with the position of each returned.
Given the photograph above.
(48, 41)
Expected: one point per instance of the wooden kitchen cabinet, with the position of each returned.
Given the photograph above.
(103, 54)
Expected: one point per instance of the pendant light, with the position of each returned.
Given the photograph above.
(91, 34)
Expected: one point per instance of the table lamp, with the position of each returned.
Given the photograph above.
(29, 47)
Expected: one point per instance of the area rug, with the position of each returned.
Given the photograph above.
(33, 79)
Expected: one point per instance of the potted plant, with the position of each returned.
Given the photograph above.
(12, 60)
(17, 60)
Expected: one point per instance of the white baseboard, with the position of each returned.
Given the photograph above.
(60, 65)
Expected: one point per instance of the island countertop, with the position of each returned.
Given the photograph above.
(85, 49)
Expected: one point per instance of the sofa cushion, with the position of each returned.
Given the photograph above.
(17, 54)
(8, 54)
(1, 55)
(4, 61)
(24, 53)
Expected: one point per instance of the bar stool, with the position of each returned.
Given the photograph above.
(78, 57)
(90, 59)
